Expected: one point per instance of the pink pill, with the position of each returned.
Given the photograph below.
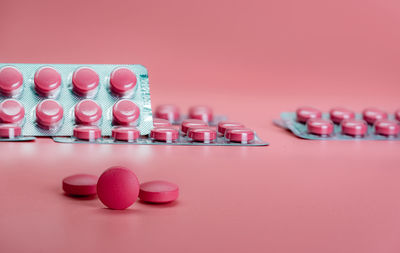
(9, 131)
(165, 134)
(87, 112)
(354, 127)
(122, 81)
(371, 115)
(338, 114)
(80, 185)
(168, 112)
(11, 111)
(87, 133)
(238, 134)
(305, 113)
(122, 133)
(397, 115)
(11, 81)
(158, 191)
(118, 188)
(161, 122)
(203, 113)
(223, 125)
(188, 123)
(203, 134)
(125, 112)
(47, 81)
(387, 127)
(319, 126)
(85, 81)
(49, 114)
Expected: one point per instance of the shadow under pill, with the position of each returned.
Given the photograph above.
(80, 198)
(127, 211)
(159, 205)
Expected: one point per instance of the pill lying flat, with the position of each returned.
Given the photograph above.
(188, 123)
(305, 113)
(9, 131)
(87, 112)
(338, 114)
(223, 125)
(168, 112)
(202, 134)
(49, 113)
(164, 134)
(11, 81)
(238, 134)
(47, 81)
(11, 111)
(158, 191)
(201, 112)
(387, 127)
(320, 126)
(354, 127)
(87, 133)
(157, 122)
(370, 115)
(85, 81)
(80, 185)
(122, 133)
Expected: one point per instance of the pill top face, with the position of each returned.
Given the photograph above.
(165, 134)
(236, 134)
(168, 112)
(122, 81)
(125, 133)
(201, 112)
(9, 131)
(47, 81)
(80, 185)
(158, 191)
(305, 113)
(11, 111)
(320, 126)
(371, 115)
(118, 188)
(49, 113)
(157, 122)
(202, 134)
(88, 133)
(354, 127)
(11, 80)
(85, 81)
(188, 123)
(223, 125)
(125, 112)
(387, 127)
(87, 112)
(338, 114)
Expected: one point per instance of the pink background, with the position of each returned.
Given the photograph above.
(249, 60)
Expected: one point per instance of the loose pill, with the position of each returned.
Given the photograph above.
(49, 114)
(305, 113)
(158, 191)
(157, 122)
(11, 81)
(320, 126)
(168, 112)
(11, 111)
(202, 134)
(122, 133)
(122, 81)
(9, 131)
(238, 134)
(338, 114)
(188, 123)
(47, 81)
(371, 115)
(164, 134)
(118, 188)
(354, 127)
(85, 81)
(87, 112)
(125, 112)
(87, 133)
(203, 113)
(387, 127)
(397, 115)
(80, 185)
(223, 125)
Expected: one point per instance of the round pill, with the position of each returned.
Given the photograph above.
(203, 113)
(47, 81)
(87, 133)
(122, 133)
(338, 114)
(165, 134)
(11, 81)
(157, 122)
(118, 188)
(9, 131)
(319, 126)
(371, 115)
(158, 191)
(397, 115)
(11, 111)
(87, 112)
(204, 134)
(125, 112)
(237, 134)
(223, 125)
(122, 81)
(49, 113)
(85, 81)
(305, 113)
(168, 112)
(80, 185)
(387, 127)
(354, 127)
(188, 123)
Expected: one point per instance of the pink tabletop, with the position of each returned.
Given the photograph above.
(249, 60)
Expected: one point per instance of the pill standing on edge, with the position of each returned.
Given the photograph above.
(11, 111)
(11, 81)
(9, 131)
(80, 185)
(338, 114)
(354, 127)
(188, 123)
(157, 122)
(168, 112)
(387, 127)
(223, 125)
(238, 134)
(49, 113)
(87, 112)
(125, 113)
(118, 188)
(47, 81)
(125, 133)
(202, 134)
(164, 134)
(201, 112)
(87, 133)
(158, 191)
(370, 115)
(122, 81)
(85, 81)
(320, 126)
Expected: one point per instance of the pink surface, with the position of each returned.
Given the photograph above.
(249, 60)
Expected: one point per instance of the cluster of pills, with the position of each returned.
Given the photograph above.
(118, 188)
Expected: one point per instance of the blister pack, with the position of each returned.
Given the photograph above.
(68, 99)
(342, 124)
